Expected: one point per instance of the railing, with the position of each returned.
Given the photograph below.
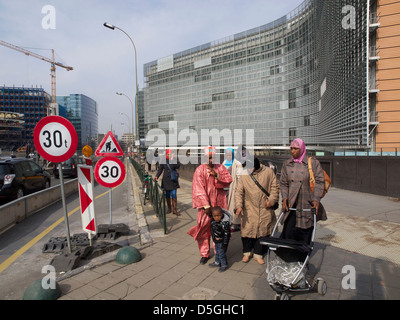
(156, 194)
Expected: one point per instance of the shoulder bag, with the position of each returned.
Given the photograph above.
(174, 174)
(276, 205)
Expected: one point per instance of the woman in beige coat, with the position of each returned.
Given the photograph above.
(256, 208)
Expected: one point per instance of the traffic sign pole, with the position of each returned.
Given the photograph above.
(110, 202)
(56, 140)
(110, 172)
(60, 172)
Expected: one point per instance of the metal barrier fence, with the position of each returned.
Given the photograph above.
(155, 193)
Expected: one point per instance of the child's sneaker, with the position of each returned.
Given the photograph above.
(222, 269)
(214, 264)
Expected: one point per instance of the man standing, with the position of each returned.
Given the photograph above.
(209, 181)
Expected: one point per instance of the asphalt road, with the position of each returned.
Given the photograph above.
(21, 257)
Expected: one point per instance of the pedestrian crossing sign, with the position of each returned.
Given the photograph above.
(109, 147)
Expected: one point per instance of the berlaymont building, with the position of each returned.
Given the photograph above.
(327, 72)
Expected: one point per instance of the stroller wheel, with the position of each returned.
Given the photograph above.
(283, 296)
(322, 287)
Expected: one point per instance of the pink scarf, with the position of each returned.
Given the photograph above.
(298, 143)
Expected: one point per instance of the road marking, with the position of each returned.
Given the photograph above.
(31, 243)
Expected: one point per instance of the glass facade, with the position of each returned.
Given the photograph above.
(303, 75)
(82, 112)
(32, 103)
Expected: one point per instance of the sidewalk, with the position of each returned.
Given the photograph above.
(170, 269)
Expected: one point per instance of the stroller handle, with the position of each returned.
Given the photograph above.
(312, 210)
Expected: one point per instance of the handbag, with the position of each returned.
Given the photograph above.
(276, 205)
(174, 174)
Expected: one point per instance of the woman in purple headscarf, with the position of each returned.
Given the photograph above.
(296, 193)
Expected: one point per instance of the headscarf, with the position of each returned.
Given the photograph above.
(298, 143)
(228, 163)
(209, 150)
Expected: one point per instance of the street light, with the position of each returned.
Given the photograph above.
(112, 27)
(130, 132)
(133, 118)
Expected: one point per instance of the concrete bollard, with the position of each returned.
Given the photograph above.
(36, 292)
(128, 255)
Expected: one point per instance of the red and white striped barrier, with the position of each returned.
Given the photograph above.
(86, 197)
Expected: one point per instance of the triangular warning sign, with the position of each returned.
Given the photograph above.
(109, 147)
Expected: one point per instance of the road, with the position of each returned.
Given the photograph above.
(21, 257)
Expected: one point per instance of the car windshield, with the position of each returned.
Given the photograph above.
(4, 169)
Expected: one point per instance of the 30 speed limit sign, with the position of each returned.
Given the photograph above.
(55, 139)
(109, 172)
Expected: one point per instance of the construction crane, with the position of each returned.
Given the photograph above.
(53, 110)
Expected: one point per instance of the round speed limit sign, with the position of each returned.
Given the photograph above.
(55, 139)
(109, 172)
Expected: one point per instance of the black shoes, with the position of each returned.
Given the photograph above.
(204, 260)
(221, 269)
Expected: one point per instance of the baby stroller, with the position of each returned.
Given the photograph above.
(286, 273)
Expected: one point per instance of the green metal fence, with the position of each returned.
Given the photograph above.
(156, 195)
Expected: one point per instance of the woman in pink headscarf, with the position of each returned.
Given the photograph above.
(209, 181)
(296, 193)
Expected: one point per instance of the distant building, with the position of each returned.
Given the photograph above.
(32, 103)
(142, 131)
(82, 112)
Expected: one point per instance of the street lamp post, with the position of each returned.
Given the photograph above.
(112, 27)
(129, 126)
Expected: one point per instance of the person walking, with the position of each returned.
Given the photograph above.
(169, 184)
(255, 207)
(209, 181)
(234, 167)
(221, 234)
(296, 193)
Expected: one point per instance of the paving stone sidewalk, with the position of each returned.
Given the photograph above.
(170, 269)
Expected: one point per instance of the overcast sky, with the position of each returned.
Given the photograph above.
(103, 59)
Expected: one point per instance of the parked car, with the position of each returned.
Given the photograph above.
(69, 167)
(19, 177)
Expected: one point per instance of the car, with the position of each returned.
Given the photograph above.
(70, 167)
(19, 177)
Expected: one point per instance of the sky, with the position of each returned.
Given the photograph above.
(104, 59)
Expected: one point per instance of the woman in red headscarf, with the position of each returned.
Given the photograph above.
(168, 184)
(296, 193)
(209, 181)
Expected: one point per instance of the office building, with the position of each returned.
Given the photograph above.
(315, 73)
(32, 104)
(82, 112)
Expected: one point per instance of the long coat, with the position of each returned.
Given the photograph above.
(257, 220)
(167, 183)
(208, 191)
(236, 170)
(295, 186)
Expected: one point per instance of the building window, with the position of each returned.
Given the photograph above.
(292, 134)
(165, 118)
(306, 89)
(274, 70)
(203, 106)
(292, 98)
(202, 77)
(307, 121)
(299, 61)
(223, 96)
